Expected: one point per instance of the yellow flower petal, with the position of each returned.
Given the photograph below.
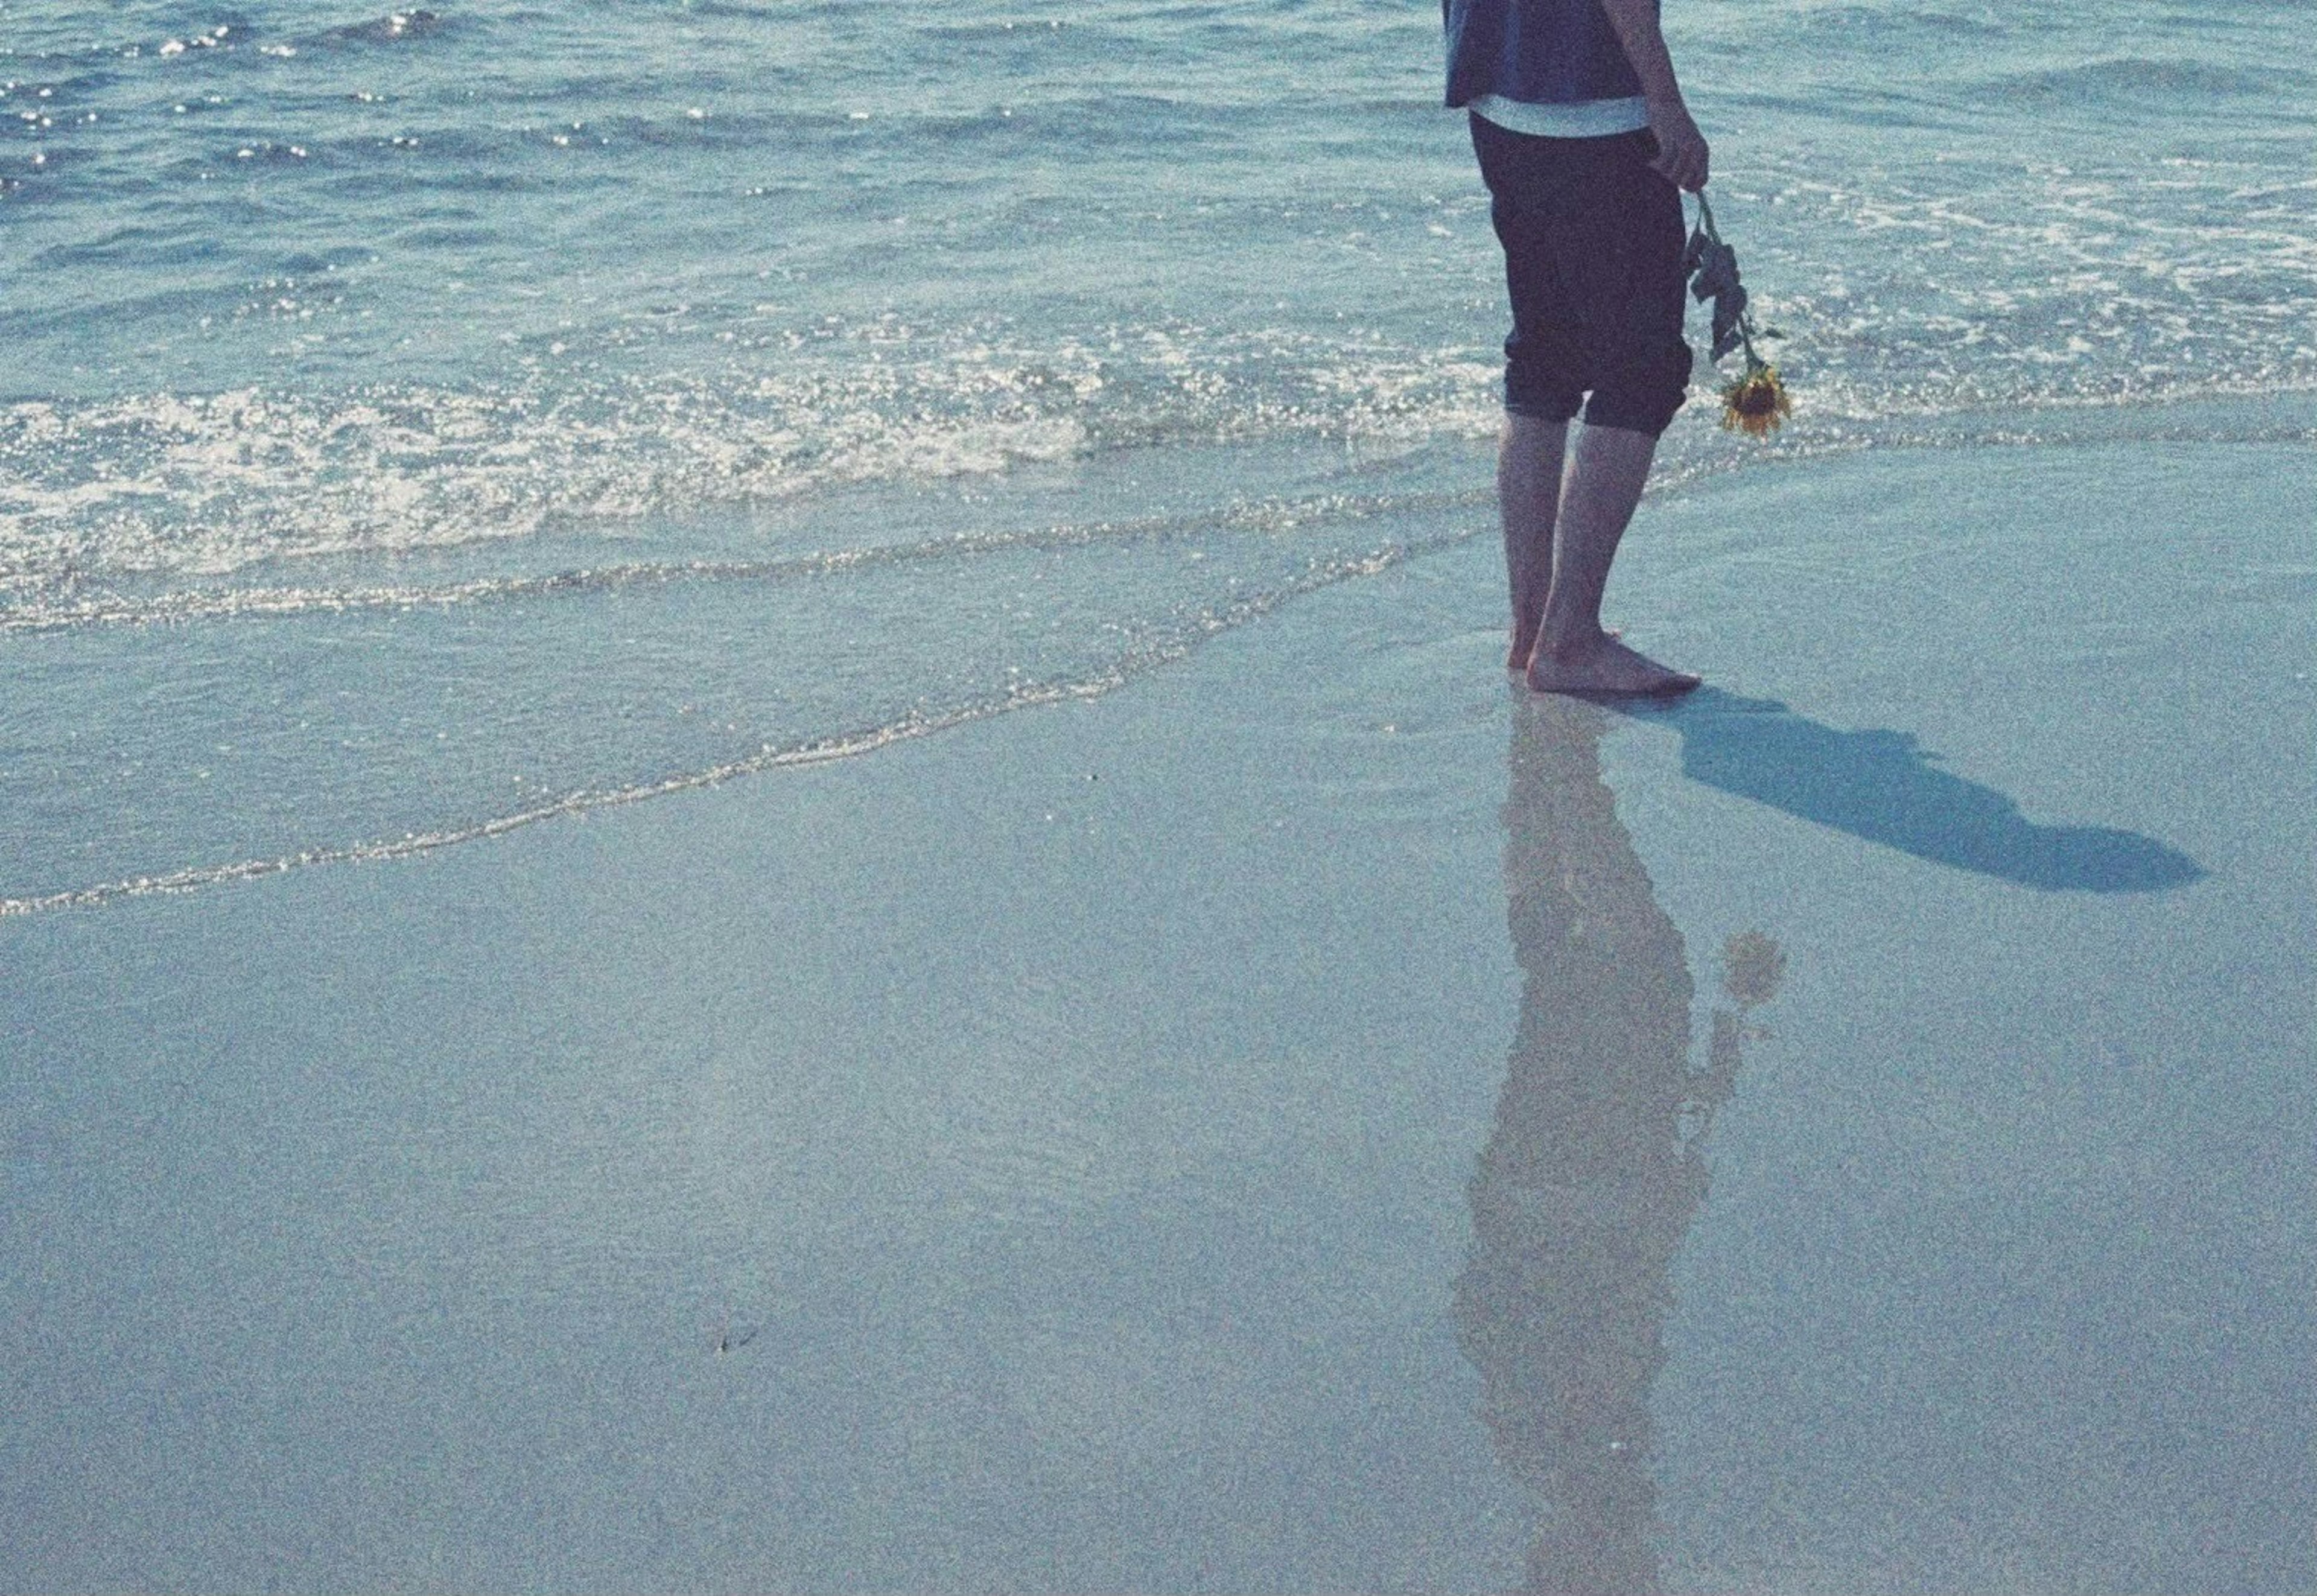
(1756, 403)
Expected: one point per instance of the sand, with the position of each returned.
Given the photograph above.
(1291, 1124)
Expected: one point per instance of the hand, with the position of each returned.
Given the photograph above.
(1682, 154)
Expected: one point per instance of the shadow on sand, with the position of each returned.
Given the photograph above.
(1881, 787)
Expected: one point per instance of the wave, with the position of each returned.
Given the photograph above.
(205, 485)
(181, 488)
(269, 603)
(1152, 650)
(2171, 82)
(394, 27)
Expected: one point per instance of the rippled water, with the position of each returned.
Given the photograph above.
(411, 423)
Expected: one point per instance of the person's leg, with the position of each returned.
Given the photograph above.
(1623, 271)
(1592, 239)
(1572, 653)
(1528, 500)
(1528, 206)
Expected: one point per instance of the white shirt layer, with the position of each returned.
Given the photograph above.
(1582, 119)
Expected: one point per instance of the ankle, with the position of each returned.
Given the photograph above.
(1566, 643)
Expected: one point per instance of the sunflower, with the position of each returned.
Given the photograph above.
(1752, 966)
(1756, 403)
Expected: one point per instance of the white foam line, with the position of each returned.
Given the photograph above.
(820, 751)
(285, 603)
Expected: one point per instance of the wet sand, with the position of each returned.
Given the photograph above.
(1311, 1119)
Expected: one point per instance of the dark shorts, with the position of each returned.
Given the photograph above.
(1593, 241)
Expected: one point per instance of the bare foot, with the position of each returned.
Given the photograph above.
(1604, 665)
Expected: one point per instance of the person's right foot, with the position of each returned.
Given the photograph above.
(1604, 665)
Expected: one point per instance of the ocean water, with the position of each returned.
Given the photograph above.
(415, 423)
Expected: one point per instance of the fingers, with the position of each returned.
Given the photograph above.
(1682, 157)
(1682, 164)
(1675, 172)
(1689, 166)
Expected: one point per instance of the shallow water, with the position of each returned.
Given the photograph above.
(348, 354)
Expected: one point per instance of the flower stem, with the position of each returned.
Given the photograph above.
(1745, 319)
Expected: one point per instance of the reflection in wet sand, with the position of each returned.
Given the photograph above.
(1594, 1169)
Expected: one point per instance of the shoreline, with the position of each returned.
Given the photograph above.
(1426, 523)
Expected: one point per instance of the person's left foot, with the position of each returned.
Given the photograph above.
(1601, 663)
